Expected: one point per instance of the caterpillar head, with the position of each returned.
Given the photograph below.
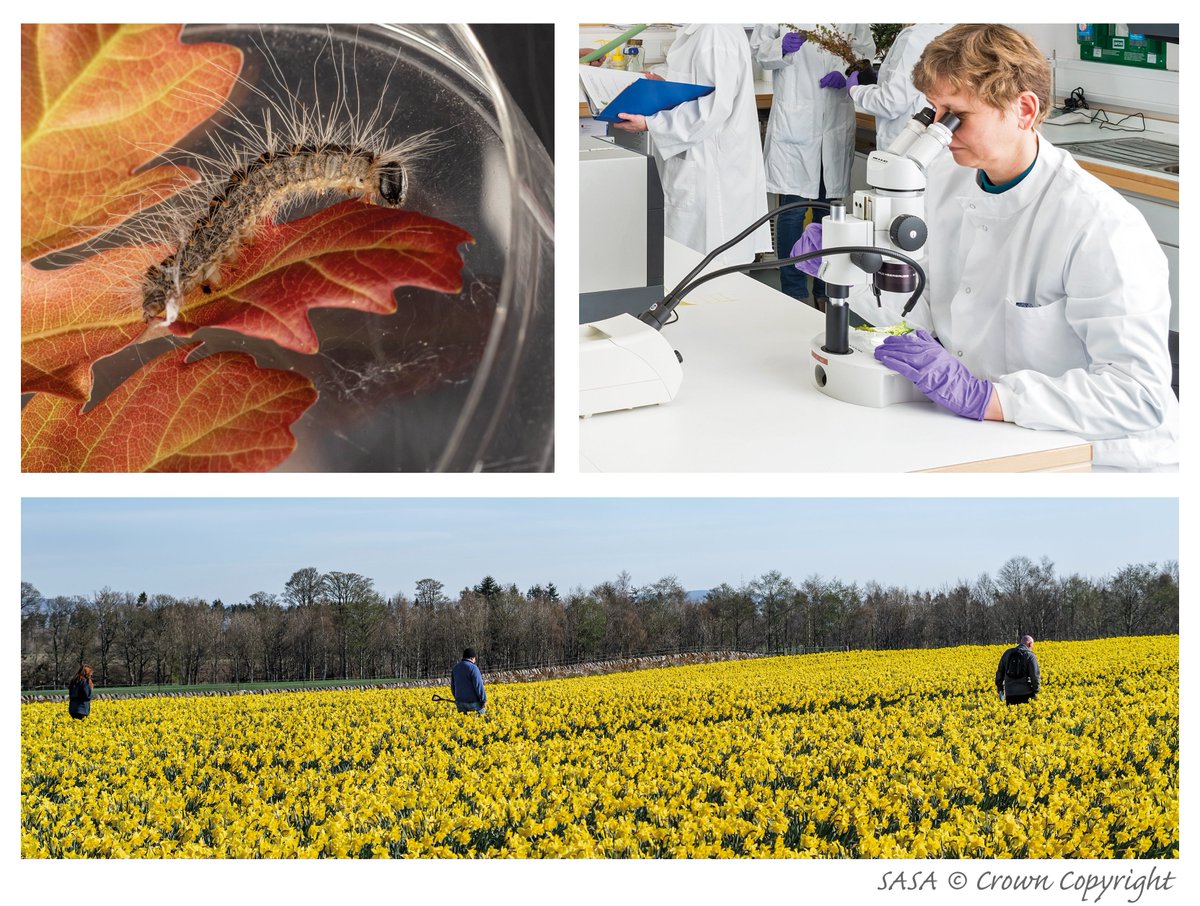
(160, 306)
(393, 184)
(161, 292)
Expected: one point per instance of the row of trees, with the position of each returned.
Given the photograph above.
(337, 625)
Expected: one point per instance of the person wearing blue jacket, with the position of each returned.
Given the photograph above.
(466, 685)
(79, 693)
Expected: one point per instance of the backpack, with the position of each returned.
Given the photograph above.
(1018, 672)
(1018, 663)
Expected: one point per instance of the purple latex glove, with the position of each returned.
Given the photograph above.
(793, 41)
(937, 373)
(833, 80)
(809, 241)
(853, 80)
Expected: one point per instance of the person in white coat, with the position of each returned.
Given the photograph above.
(893, 99)
(1047, 292)
(809, 145)
(708, 151)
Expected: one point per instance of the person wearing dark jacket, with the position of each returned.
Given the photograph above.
(1019, 677)
(466, 684)
(79, 693)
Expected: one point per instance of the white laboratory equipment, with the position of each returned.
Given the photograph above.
(888, 217)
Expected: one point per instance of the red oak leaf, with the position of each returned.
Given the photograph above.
(97, 102)
(219, 414)
(350, 255)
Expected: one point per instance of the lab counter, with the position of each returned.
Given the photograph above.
(748, 404)
(1123, 177)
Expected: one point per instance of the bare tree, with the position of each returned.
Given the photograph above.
(775, 596)
(660, 609)
(887, 616)
(364, 623)
(343, 591)
(133, 625)
(105, 605)
(270, 631)
(34, 665)
(240, 638)
(307, 625)
(1080, 601)
(733, 610)
(159, 631)
(1021, 591)
(624, 633)
(1131, 596)
(80, 632)
(304, 588)
(31, 599)
(504, 628)
(585, 625)
(194, 628)
(65, 635)
(429, 629)
(395, 636)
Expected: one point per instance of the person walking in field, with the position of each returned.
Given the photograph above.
(466, 685)
(79, 693)
(1019, 677)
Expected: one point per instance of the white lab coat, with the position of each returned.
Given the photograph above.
(894, 99)
(709, 153)
(810, 128)
(1087, 352)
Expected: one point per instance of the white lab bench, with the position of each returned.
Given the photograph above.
(748, 404)
(1124, 177)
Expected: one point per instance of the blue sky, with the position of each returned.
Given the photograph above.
(230, 548)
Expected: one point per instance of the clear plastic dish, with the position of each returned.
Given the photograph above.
(447, 383)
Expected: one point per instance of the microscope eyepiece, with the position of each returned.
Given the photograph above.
(950, 121)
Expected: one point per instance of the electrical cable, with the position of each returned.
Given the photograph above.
(672, 298)
(660, 314)
(1106, 123)
(1075, 101)
(819, 253)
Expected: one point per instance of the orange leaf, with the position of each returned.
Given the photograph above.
(219, 414)
(350, 255)
(73, 317)
(97, 102)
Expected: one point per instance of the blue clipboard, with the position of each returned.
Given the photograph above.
(649, 96)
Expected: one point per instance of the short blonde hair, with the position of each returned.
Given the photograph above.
(993, 62)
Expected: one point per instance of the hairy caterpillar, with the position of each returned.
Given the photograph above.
(256, 192)
(403, 318)
(257, 170)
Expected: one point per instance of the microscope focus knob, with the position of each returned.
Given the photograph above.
(908, 232)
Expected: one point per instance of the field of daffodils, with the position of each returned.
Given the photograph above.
(858, 754)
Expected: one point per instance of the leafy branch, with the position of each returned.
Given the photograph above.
(833, 41)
